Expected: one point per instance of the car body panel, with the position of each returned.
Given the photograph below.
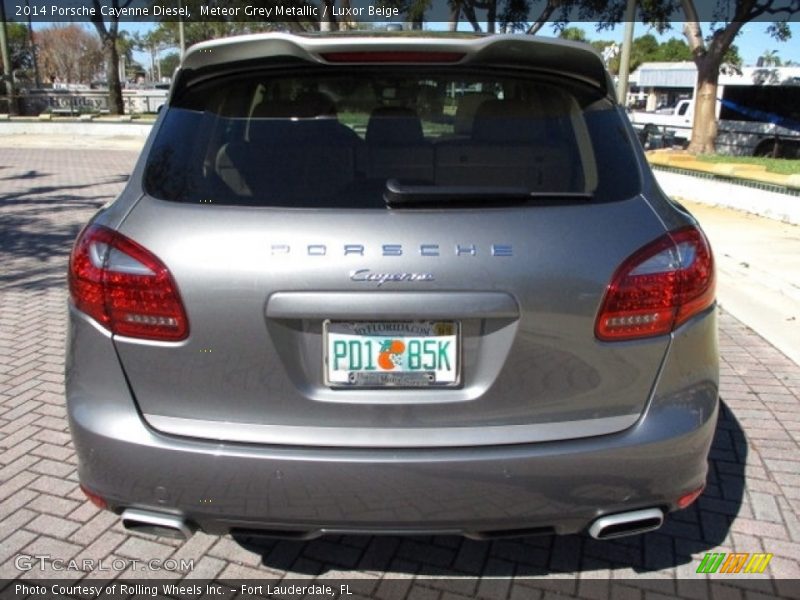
(241, 366)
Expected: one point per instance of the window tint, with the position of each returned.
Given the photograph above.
(335, 139)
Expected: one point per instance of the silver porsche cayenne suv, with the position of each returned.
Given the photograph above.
(392, 284)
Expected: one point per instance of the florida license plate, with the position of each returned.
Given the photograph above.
(391, 353)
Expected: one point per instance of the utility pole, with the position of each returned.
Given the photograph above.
(153, 62)
(625, 57)
(181, 33)
(8, 76)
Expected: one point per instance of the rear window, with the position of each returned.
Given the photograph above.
(338, 138)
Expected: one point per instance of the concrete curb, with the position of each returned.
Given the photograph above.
(75, 128)
(732, 171)
(715, 192)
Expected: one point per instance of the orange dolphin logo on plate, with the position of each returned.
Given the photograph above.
(390, 353)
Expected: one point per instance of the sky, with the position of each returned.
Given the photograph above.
(753, 40)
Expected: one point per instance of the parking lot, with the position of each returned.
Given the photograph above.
(751, 505)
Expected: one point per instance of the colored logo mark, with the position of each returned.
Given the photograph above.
(391, 354)
(732, 563)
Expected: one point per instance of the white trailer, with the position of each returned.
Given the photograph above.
(755, 119)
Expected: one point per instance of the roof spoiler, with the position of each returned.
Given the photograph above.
(562, 57)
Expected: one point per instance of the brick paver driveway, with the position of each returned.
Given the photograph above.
(751, 504)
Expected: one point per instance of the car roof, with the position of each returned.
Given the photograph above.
(515, 50)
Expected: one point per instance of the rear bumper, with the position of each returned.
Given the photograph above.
(561, 485)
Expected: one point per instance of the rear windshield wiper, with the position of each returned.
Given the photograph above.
(399, 195)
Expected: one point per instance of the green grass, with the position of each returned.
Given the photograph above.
(784, 166)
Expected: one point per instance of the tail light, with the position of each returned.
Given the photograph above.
(124, 287)
(658, 288)
(95, 499)
(687, 499)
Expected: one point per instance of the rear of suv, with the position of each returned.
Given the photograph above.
(392, 285)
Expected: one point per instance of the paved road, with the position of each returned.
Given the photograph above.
(758, 264)
(751, 505)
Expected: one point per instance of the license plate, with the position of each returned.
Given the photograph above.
(391, 353)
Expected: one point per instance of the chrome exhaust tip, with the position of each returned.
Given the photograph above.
(161, 524)
(628, 523)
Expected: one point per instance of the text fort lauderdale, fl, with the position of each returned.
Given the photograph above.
(208, 589)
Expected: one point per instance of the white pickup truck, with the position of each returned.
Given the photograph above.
(753, 121)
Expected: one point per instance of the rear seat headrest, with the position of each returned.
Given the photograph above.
(316, 113)
(466, 111)
(394, 125)
(274, 109)
(504, 121)
(306, 106)
(315, 104)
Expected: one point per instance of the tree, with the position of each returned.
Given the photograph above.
(68, 53)
(770, 58)
(498, 15)
(647, 49)
(674, 50)
(169, 63)
(7, 79)
(710, 52)
(17, 58)
(153, 43)
(575, 34)
(126, 44)
(328, 21)
(724, 20)
(195, 31)
(546, 15)
(166, 33)
(19, 46)
(644, 49)
(109, 36)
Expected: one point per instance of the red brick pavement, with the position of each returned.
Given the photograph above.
(751, 504)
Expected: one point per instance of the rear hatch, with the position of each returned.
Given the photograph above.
(393, 255)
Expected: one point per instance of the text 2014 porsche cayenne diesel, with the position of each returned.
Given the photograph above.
(392, 284)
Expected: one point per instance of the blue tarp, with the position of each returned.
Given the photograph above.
(762, 115)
